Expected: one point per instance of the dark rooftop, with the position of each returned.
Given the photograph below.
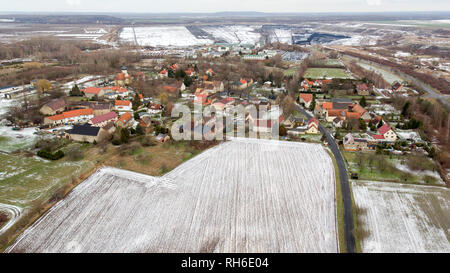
(85, 129)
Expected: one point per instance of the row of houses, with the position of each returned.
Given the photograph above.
(369, 141)
(96, 128)
(124, 79)
(76, 116)
(339, 110)
(316, 85)
(299, 128)
(110, 92)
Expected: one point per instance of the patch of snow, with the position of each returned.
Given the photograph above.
(434, 174)
(244, 195)
(402, 218)
(402, 54)
(176, 36)
(235, 34)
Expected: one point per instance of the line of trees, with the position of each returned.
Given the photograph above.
(431, 118)
(438, 83)
(372, 76)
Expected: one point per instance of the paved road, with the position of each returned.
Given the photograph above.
(345, 187)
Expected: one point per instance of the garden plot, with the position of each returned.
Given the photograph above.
(176, 36)
(403, 218)
(236, 34)
(241, 196)
(328, 73)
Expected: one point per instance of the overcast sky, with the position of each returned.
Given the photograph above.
(156, 6)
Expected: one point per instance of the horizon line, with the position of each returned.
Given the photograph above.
(224, 11)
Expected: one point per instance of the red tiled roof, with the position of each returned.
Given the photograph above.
(125, 118)
(362, 86)
(202, 98)
(327, 105)
(309, 82)
(352, 115)
(92, 90)
(313, 121)
(358, 109)
(306, 97)
(383, 129)
(334, 113)
(104, 117)
(122, 103)
(155, 106)
(169, 88)
(378, 136)
(120, 77)
(73, 113)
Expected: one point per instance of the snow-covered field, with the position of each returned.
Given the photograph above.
(234, 34)
(356, 40)
(403, 218)
(241, 196)
(281, 36)
(177, 36)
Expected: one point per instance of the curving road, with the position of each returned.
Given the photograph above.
(345, 187)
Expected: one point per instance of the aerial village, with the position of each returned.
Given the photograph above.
(314, 87)
(299, 137)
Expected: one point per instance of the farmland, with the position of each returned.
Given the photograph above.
(235, 34)
(281, 35)
(241, 196)
(403, 218)
(319, 73)
(290, 72)
(177, 36)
